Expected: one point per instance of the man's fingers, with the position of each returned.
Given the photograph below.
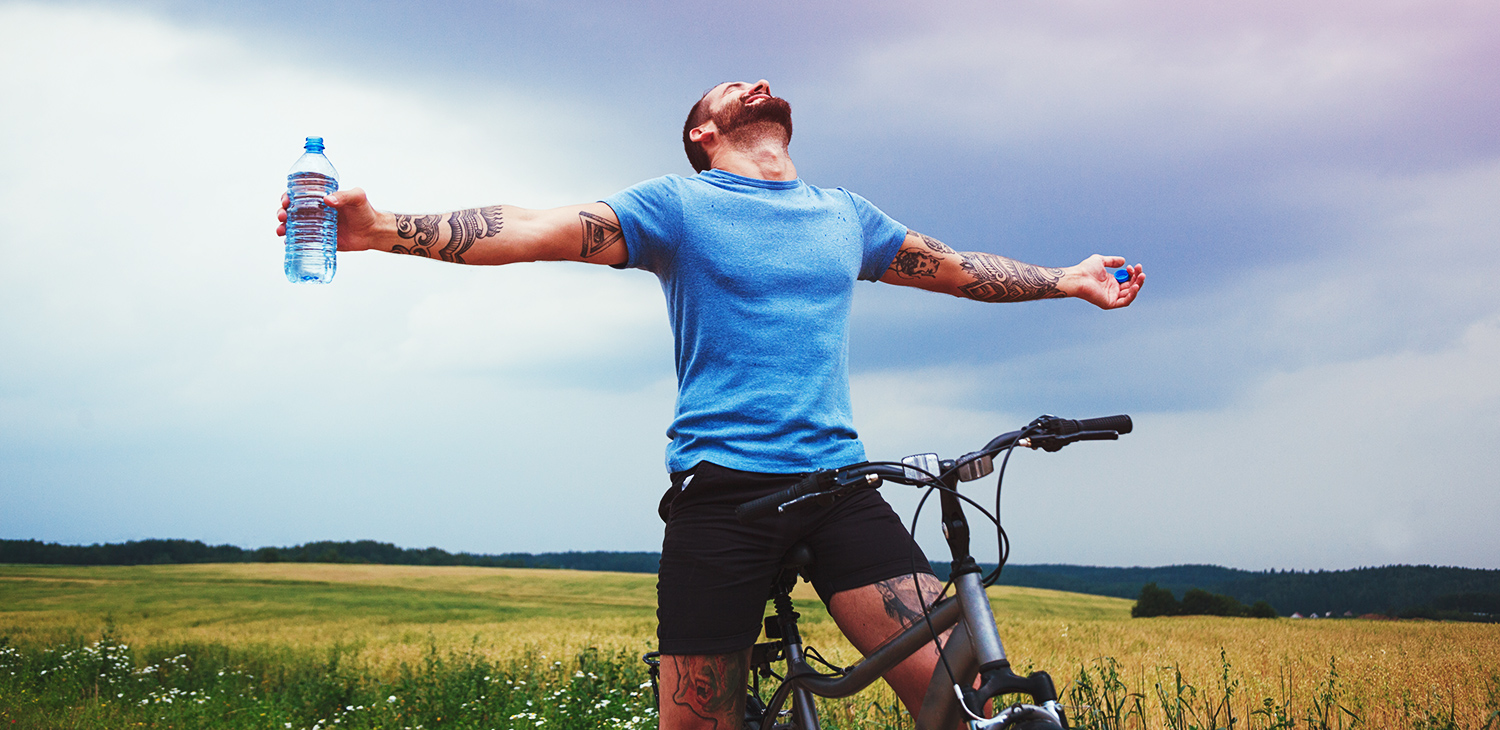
(345, 198)
(1112, 262)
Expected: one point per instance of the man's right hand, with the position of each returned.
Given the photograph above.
(359, 222)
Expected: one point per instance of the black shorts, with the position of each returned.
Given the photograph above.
(716, 573)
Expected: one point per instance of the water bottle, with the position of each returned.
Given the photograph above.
(312, 232)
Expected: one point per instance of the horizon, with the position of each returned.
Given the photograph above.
(249, 549)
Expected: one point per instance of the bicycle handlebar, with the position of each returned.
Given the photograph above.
(758, 508)
(1048, 433)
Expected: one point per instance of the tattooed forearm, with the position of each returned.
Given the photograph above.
(999, 279)
(468, 226)
(421, 229)
(911, 263)
(598, 234)
(711, 687)
(464, 226)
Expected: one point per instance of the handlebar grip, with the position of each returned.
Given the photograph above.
(757, 508)
(1119, 424)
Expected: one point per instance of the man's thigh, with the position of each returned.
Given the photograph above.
(703, 692)
(872, 614)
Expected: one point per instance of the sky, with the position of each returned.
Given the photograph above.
(1313, 190)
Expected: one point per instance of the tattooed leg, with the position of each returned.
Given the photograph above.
(704, 692)
(874, 613)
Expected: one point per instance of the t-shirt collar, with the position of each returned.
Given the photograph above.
(718, 175)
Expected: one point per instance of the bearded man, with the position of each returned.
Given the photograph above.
(758, 269)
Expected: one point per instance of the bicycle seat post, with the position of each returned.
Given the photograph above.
(798, 558)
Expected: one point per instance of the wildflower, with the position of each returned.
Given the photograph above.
(392, 698)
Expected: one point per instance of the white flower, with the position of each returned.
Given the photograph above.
(392, 698)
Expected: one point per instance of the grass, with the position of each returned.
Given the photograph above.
(267, 645)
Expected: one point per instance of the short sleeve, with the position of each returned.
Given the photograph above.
(650, 215)
(883, 237)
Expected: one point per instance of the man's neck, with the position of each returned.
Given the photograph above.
(761, 156)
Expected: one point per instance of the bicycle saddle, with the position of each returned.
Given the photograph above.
(798, 560)
(797, 557)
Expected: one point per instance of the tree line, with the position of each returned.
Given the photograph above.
(1394, 590)
(161, 552)
(1156, 601)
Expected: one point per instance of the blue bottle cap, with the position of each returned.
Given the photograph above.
(314, 144)
(1122, 275)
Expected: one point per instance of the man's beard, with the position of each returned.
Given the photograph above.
(740, 117)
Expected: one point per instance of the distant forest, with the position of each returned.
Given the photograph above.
(1406, 590)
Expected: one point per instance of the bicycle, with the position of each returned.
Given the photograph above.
(973, 650)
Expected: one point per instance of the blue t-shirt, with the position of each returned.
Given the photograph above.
(758, 276)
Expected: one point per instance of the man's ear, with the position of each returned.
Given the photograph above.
(706, 132)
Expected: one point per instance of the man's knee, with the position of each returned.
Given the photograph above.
(703, 692)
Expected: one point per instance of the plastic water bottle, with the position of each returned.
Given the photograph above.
(312, 231)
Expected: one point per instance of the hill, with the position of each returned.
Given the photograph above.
(1416, 590)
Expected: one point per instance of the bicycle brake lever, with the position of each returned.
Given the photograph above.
(1053, 443)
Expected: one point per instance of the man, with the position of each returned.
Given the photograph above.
(758, 269)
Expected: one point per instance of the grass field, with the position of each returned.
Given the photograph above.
(439, 630)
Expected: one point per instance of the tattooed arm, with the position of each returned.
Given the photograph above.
(927, 263)
(496, 234)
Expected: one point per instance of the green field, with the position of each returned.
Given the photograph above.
(289, 645)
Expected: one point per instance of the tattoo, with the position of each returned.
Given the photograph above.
(598, 234)
(900, 600)
(999, 279)
(934, 244)
(712, 687)
(421, 229)
(465, 227)
(912, 263)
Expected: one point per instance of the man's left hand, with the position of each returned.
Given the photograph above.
(1092, 281)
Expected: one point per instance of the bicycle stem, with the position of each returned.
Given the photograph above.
(979, 619)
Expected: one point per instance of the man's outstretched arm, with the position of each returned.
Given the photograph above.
(927, 263)
(496, 234)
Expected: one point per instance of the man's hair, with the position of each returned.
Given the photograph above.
(696, 116)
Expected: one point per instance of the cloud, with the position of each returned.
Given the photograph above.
(1139, 81)
(1309, 186)
(160, 367)
(1373, 461)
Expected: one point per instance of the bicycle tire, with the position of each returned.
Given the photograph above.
(1031, 718)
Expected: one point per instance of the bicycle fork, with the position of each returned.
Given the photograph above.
(978, 650)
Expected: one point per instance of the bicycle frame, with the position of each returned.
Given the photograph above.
(974, 647)
(973, 650)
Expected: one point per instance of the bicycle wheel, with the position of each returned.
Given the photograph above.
(1029, 717)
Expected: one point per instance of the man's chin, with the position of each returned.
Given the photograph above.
(774, 110)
